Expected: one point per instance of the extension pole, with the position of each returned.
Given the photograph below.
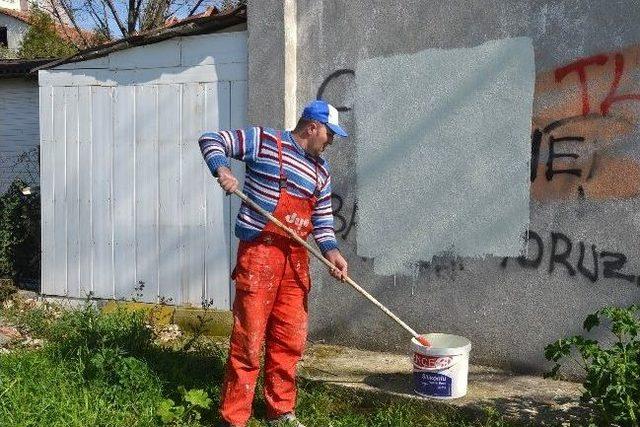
(422, 340)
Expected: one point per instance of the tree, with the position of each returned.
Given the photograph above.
(6, 53)
(113, 19)
(43, 39)
(19, 234)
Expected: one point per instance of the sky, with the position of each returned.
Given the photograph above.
(182, 8)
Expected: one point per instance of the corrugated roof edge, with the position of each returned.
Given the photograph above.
(187, 27)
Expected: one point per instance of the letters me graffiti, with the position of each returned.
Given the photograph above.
(588, 261)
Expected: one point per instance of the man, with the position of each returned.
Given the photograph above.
(286, 176)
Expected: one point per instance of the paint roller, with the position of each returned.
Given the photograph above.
(422, 340)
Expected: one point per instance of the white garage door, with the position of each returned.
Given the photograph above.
(127, 199)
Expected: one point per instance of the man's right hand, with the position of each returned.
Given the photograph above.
(227, 181)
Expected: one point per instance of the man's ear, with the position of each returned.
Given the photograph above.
(308, 130)
(313, 127)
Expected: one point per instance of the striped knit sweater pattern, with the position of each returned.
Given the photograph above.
(258, 148)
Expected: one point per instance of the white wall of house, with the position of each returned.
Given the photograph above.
(126, 195)
(10, 4)
(19, 130)
(16, 29)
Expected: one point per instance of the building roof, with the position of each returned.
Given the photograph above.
(19, 15)
(19, 67)
(66, 32)
(205, 23)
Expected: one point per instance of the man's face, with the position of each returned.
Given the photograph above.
(320, 136)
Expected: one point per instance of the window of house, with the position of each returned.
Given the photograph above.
(4, 41)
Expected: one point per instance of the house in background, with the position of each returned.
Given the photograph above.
(19, 122)
(13, 26)
(14, 22)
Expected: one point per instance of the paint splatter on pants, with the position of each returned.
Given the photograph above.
(270, 307)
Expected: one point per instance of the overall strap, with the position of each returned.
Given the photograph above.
(316, 190)
(283, 176)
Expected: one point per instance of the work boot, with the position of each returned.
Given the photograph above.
(286, 420)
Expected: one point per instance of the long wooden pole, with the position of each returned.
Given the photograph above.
(318, 255)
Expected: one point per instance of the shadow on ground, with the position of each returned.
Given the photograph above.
(521, 409)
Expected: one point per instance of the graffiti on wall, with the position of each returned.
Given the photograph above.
(584, 112)
(585, 118)
(344, 216)
(344, 219)
(335, 77)
(584, 145)
(560, 252)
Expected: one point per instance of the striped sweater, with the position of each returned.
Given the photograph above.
(258, 148)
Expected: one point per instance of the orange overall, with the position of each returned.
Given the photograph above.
(272, 286)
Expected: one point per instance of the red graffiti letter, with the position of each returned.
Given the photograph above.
(579, 66)
(611, 98)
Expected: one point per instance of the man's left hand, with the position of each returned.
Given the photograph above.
(335, 257)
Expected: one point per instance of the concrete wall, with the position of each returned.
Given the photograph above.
(19, 131)
(16, 29)
(583, 250)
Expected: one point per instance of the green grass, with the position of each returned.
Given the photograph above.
(106, 370)
(39, 392)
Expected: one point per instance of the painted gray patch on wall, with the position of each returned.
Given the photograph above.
(443, 150)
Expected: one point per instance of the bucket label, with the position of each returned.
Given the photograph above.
(431, 384)
(421, 361)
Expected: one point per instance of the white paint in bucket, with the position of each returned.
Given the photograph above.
(441, 371)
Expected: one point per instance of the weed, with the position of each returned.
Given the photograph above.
(188, 411)
(6, 290)
(612, 370)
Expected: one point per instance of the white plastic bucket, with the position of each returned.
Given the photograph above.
(441, 371)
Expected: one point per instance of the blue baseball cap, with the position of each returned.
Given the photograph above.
(326, 114)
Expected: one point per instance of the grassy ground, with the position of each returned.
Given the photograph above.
(112, 369)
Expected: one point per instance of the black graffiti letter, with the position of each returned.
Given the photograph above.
(611, 267)
(337, 215)
(524, 261)
(326, 81)
(533, 263)
(552, 155)
(536, 139)
(585, 272)
(560, 258)
(344, 225)
(352, 222)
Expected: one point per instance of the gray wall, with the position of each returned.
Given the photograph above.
(19, 131)
(510, 309)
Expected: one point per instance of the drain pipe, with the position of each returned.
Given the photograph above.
(290, 63)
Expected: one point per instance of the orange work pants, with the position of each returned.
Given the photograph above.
(270, 307)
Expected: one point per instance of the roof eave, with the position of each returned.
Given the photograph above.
(185, 28)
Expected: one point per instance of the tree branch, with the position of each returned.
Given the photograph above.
(100, 23)
(116, 17)
(106, 20)
(133, 16)
(198, 3)
(69, 13)
(62, 25)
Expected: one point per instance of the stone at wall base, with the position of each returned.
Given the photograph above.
(191, 320)
(208, 322)
(158, 314)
